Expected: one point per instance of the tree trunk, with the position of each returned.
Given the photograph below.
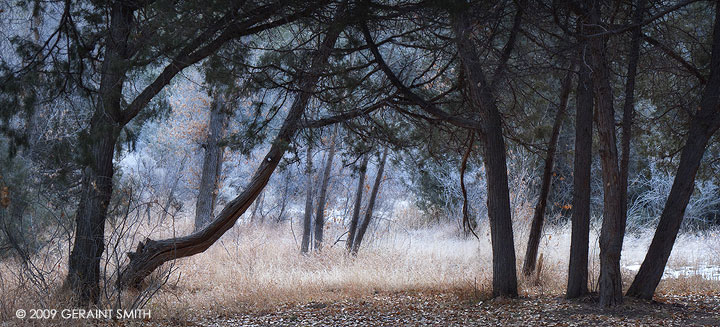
(703, 125)
(371, 205)
(98, 151)
(613, 225)
(212, 163)
(489, 128)
(84, 263)
(577, 284)
(498, 204)
(307, 217)
(358, 204)
(468, 227)
(257, 207)
(539, 215)
(629, 105)
(151, 254)
(283, 203)
(498, 201)
(652, 268)
(320, 210)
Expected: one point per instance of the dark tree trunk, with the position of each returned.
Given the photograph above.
(539, 215)
(703, 125)
(498, 204)
(307, 216)
(212, 163)
(488, 127)
(320, 210)
(358, 204)
(98, 151)
(614, 178)
(84, 263)
(652, 268)
(362, 229)
(151, 254)
(629, 105)
(498, 201)
(613, 225)
(468, 227)
(577, 284)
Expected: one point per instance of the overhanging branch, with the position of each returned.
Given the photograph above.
(425, 105)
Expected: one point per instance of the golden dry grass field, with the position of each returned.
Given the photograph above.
(421, 276)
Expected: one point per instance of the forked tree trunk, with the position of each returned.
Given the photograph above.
(307, 216)
(577, 283)
(539, 215)
(613, 225)
(151, 254)
(371, 205)
(212, 163)
(320, 210)
(498, 201)
(358, 204)
(703, 125)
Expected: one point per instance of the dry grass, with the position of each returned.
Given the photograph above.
(257, 266)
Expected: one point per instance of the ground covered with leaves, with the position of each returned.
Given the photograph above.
(447, 309)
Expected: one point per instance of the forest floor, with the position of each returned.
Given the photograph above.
(448, 309)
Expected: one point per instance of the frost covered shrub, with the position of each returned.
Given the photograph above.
(649, 192)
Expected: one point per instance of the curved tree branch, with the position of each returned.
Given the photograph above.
(427, 106)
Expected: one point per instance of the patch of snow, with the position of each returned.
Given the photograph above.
(706, 272)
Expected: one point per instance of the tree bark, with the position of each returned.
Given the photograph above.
(704, 123)
(307, 217)
(98, 151)
(358, 204)
(539, 215)
(613, 225)
(371, 205)
(498, 202)
(629, 105)
(212, 163)
(320, 210)
(577, 284)
(151, 254)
